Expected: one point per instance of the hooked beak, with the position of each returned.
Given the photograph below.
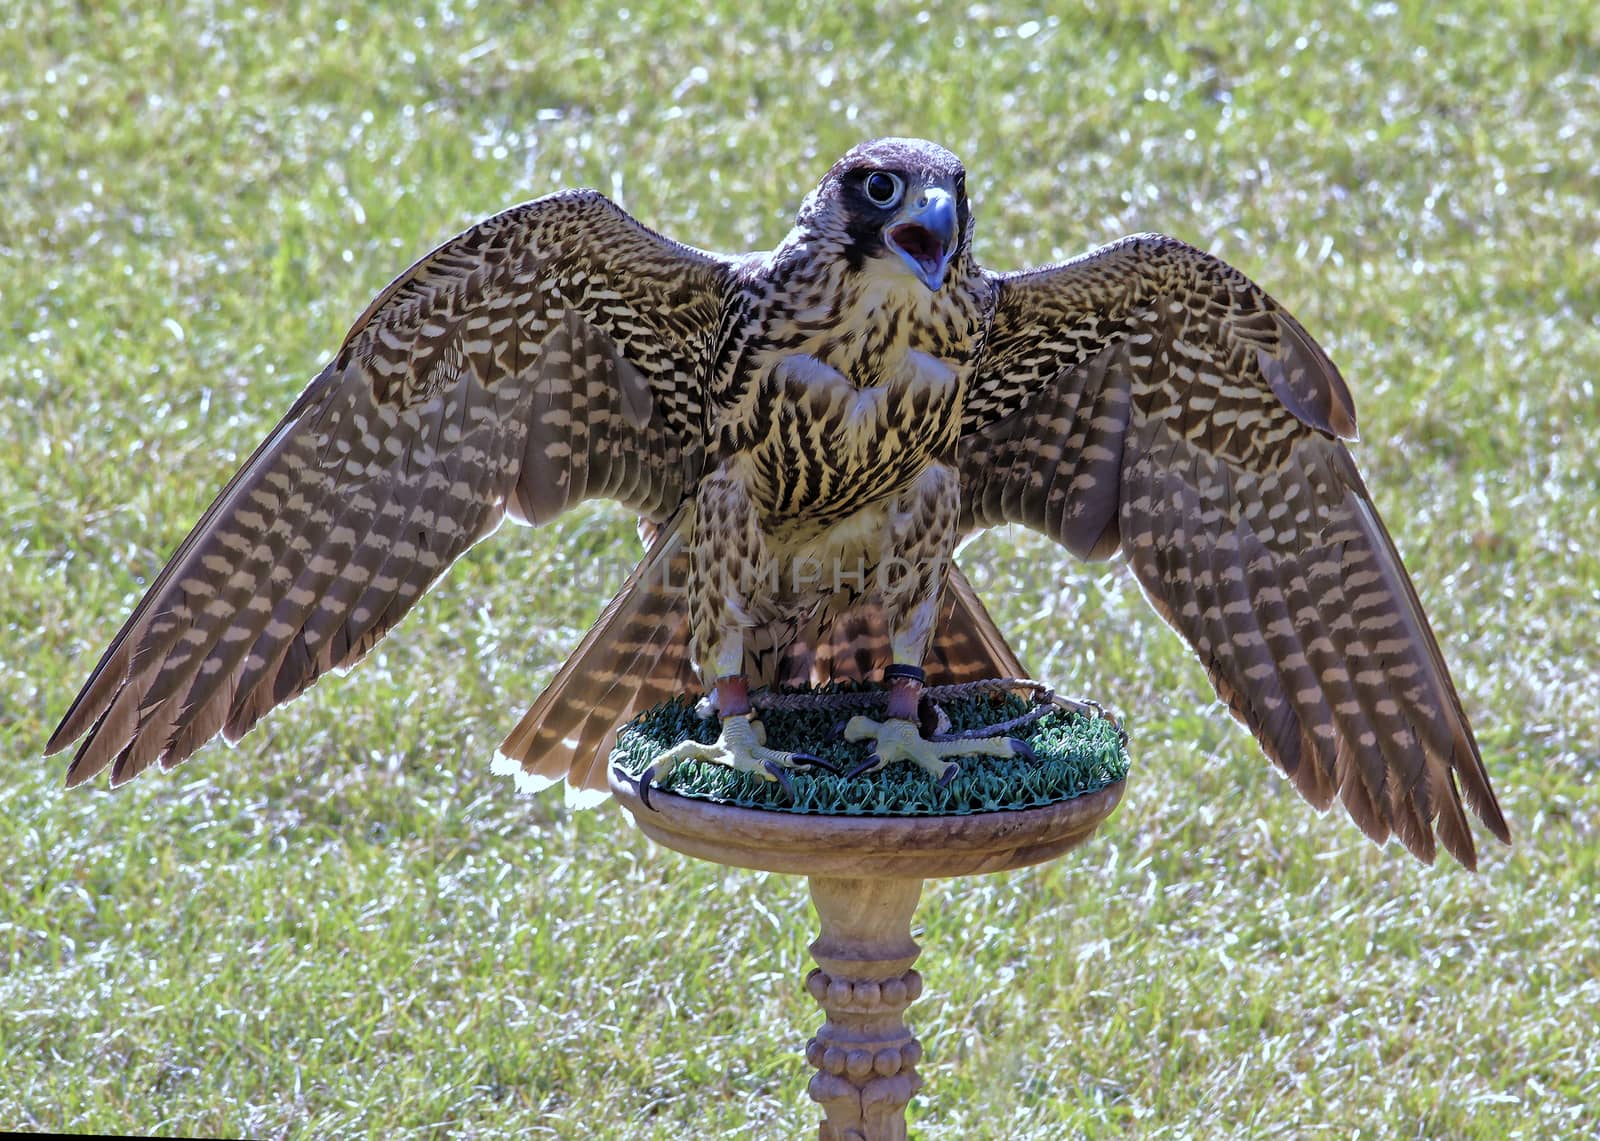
(924, 235)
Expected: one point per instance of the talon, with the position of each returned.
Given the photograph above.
(778, 774)
(1021, 748)
(900, 740)
(811, 760)
(740, 746)
(873, 761)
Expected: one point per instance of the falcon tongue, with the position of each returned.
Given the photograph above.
(919, 244)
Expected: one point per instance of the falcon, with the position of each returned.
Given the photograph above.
(807, 434)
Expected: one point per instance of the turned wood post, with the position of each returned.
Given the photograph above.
(864, 1055)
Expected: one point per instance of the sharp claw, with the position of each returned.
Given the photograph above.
(781, 776)
(643, 784)
(870, 763)
(950, 774)
(811, 760)
(1021, 748)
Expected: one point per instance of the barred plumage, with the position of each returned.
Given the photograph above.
(863, 395)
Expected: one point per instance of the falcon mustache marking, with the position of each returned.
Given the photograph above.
(864, 394)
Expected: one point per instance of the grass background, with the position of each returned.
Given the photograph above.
(347, 928)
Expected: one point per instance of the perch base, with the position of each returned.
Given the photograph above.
(866, 876)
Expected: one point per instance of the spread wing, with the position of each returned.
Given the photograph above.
(553, 353)
(1149, 398)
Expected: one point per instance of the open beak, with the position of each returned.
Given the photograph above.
(924, 235)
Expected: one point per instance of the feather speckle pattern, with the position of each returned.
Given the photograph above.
(806, 434)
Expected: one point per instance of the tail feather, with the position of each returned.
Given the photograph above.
(854, 646)
(634, 656)
(968, 646)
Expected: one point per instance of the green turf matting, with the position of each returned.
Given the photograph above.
(1076, 754)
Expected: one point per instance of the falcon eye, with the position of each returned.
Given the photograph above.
(883, 188)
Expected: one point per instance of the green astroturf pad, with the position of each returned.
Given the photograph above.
(1077, 754)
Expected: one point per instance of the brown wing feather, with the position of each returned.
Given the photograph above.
(1149, 398)
(552, 353)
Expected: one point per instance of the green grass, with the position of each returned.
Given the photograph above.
(347, 927)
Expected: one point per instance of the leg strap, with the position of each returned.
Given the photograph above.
(898, 672)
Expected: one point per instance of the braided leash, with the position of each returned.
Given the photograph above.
(1042, 697)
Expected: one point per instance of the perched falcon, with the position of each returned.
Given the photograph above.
(791, 427)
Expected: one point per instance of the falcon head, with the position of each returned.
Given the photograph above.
(896, 205)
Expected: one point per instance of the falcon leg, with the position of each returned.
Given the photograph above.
(920, 543)
(728, 562)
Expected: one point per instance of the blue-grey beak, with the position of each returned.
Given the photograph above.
(924, 235)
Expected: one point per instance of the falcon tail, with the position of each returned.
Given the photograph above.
(634, 656)
(966, 646)
(637, 654)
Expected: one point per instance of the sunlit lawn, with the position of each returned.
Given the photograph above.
(347, 927)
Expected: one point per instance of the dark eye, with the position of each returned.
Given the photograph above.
(884, 188)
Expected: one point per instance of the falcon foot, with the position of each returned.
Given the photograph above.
(741, 746)
(899, 740)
